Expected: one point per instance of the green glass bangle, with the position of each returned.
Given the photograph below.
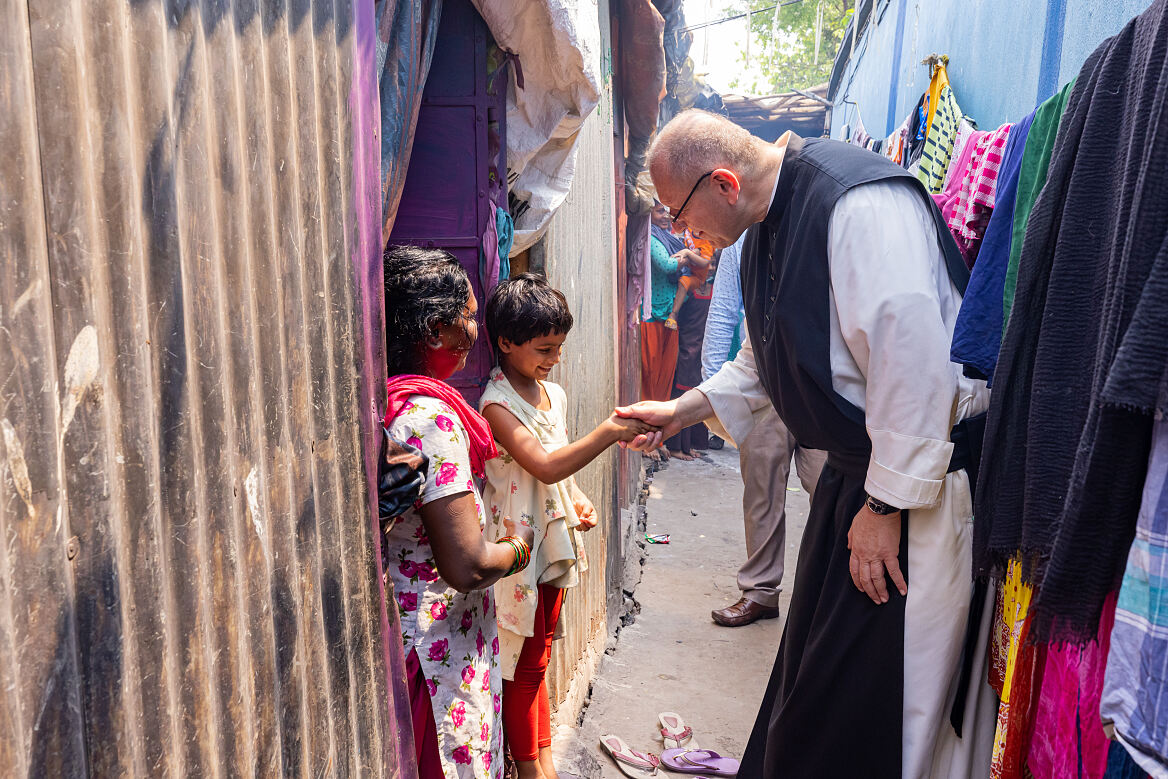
(522, 554)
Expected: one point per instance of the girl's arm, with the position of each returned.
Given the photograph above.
(551, 467)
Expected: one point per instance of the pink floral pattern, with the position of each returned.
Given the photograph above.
(453, 633)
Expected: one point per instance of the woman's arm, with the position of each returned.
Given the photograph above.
(551, 467)
(465, 560)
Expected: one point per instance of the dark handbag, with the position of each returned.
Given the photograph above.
(401, 472)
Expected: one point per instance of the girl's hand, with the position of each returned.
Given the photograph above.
(625, 429)
(523, 532)
(585, 511)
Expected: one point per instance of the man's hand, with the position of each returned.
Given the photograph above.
(657, 413)
(875, 542)
(625, 429)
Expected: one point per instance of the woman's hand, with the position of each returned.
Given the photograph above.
(524, 533)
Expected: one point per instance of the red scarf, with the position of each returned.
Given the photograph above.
(482, 443)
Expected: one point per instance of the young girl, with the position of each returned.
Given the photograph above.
(531, 483)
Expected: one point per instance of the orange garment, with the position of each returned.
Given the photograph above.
(695, 279)
(699, 245)
(658, 360)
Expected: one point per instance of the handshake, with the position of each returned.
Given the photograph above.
(643, 426)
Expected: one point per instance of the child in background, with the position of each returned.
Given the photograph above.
(694, 260)
(531, 482)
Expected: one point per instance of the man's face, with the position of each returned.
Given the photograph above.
(708, 213)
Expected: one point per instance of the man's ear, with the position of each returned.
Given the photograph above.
(505, 346)
(727, 184)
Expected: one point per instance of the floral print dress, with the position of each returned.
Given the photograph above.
(454, 634)
(558, 556)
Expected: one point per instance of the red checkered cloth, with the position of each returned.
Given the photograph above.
(978, 190)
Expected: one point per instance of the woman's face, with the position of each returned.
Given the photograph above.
(447, 355)
(660, 216)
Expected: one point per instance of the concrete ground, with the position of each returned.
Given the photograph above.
(672, 657)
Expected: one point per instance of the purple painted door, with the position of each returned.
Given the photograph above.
(445, 201)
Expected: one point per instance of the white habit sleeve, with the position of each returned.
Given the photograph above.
(736, 395)
(886, 275)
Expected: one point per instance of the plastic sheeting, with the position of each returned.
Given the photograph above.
(406, 35)
(642, 73)
(558, 45)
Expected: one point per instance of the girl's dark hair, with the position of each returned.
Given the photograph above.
(425, 290)
(526, 307)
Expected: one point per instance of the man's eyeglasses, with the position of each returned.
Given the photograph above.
(674, 217)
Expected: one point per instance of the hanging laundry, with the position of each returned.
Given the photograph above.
(1121, 766)
(1057, 455)
(859, 137)
(965, 129)
(977, 334)
(1135, 696)
(916, 132)
(948, 200)
(1031, 179)
(895, 144)
(1068, 738)
(1011, 675)
(975, 203)
(940, 132)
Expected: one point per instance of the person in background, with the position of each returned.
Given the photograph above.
(435, 554)
(532, 482)
(764, 459)
(694, 260)
(691, 320)
(658, 342)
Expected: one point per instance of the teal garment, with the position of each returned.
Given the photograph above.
(664, 280)
(1031, 178)
(505, 227)
(736, 341)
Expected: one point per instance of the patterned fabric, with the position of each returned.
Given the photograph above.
(663, 280)
(895, 145)
(940, 133)
(1135, 694)
(975, 204)
(453, 633)
(1068, 737)
(1005, 648)
(557, 557)
(965, 131)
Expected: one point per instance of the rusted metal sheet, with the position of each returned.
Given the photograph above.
(190, 373)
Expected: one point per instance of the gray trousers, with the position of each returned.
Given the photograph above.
(765, 457)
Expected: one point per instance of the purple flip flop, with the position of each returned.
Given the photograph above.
(699, 761)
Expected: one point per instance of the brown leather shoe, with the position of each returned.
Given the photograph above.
(743, 612)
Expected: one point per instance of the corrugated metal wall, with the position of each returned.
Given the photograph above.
(190, 364)
(581, 257)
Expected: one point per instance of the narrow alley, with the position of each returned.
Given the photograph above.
(672, 657)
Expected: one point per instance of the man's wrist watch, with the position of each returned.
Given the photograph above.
(878, 506)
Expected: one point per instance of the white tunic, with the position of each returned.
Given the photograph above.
(892, 312)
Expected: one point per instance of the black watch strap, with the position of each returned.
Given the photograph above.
(879, 506)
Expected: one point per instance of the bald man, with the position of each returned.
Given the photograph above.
(851, 284)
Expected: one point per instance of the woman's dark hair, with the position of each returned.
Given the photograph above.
(526, 307)
(425, 290)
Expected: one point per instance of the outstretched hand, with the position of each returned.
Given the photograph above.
(658, 414)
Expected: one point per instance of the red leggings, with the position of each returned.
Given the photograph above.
(527, 714)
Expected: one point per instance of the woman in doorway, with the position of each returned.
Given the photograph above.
(440, 565)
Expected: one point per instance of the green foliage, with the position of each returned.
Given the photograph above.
(786, 56)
